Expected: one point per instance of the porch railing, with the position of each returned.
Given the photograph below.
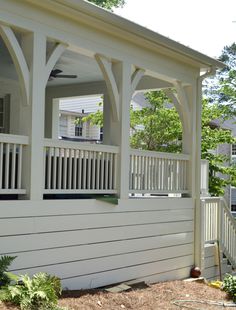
(80, 168)
(155, 172)
(219, 225)
(11, 152)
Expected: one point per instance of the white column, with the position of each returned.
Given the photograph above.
(199, 247)
(116, 132)
(34, 47)
(123, 78)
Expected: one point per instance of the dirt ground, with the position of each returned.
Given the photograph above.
(154, 297)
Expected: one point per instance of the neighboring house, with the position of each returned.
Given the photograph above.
(71, 113)
(230, 152)
(73, 109)
(66, 207)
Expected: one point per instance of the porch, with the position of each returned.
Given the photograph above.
(88, 242)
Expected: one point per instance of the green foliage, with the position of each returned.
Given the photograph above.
(221, 92)
(221, 172)
(229, 286)
(5, 262)
(95, 118)
(37, 293)
(159, 127)
(108, 4)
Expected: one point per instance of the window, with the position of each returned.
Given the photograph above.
(63, 125)
(79, 127)
(233, 149)
(101, 134)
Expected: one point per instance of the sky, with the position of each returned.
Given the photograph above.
(204, 25)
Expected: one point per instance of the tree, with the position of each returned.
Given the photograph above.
(221, 172)
(221, 92)
(108, 4)
(157, 127)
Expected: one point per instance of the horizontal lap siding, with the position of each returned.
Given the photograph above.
(89, 243)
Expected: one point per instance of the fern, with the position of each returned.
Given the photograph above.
(5, 262)
(37, 293)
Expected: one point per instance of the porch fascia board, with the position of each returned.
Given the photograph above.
(119, 26)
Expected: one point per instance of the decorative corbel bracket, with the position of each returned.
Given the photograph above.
(55, 55)
(135, 79)
(18, 58)
(179, 109)
(112, 88)
(183, 101)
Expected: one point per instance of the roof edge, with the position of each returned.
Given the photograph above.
(123, 24)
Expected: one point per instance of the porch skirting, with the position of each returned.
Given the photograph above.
(90, 243)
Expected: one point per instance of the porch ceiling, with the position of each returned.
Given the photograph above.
(70, 62)
(84, 67)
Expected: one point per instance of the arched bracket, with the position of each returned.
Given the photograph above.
(135, 79)
(179, 109)
(183, 101)
(112, 88)
(18, 58)
(55, 55)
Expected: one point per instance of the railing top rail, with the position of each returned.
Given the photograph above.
(81, 146)
(207, 198)
(159, 154)
(5, 138)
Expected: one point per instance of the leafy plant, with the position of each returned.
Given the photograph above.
(5, 262)
(229, 286)
(37, 293)
(108, 4)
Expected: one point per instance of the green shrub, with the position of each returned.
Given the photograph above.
(229, 286)
(5, 262)
(37, 293)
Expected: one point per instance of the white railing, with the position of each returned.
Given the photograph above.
(155, 172)
(73, 167)
(11, 152)
(211, 219)
(219, 225)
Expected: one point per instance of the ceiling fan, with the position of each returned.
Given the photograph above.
(56, 74)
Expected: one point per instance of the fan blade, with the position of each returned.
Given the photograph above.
(66, 76)
(55, 72)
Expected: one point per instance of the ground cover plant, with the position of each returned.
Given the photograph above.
(40, 292)
(5, 262)
(229, 286)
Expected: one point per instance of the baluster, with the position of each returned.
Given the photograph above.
(19, 167)
(7, 165)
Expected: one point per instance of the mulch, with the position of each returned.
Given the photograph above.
(152, 297)
(166, 295)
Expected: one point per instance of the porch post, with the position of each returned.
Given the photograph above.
(34, 47)
(199, 248)
(123, 77)
(118, 78)
(117, 131)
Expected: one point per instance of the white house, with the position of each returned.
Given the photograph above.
(66, 207)
(70, 114)
(70, 124)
